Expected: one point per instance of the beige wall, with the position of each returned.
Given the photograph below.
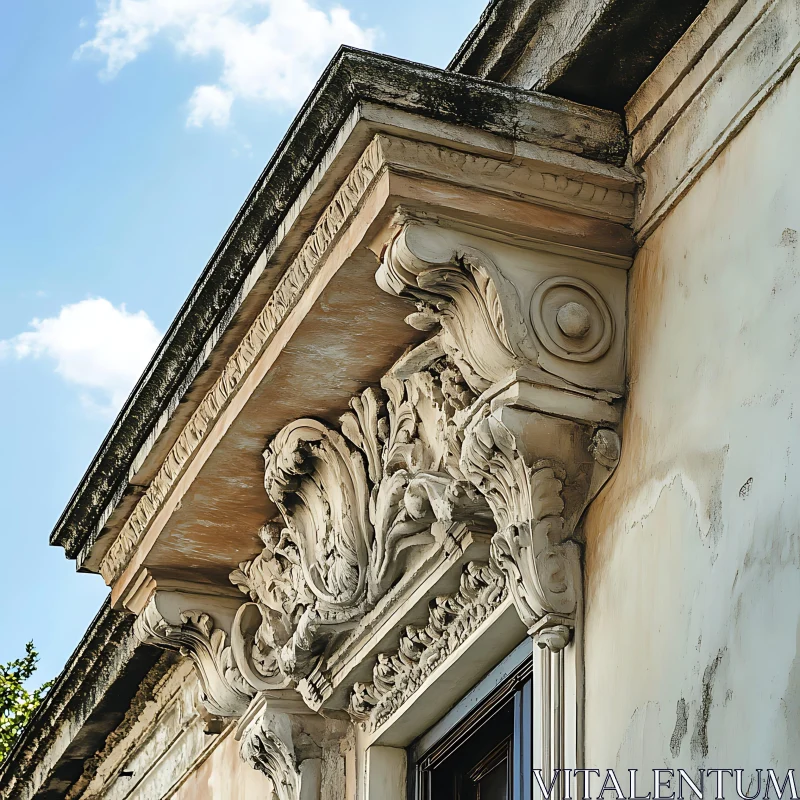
(163, 751)
(693, 558)
(225, 776)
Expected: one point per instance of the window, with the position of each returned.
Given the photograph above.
(486, 755)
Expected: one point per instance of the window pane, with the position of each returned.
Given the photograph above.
(486, 756)
(494, 785)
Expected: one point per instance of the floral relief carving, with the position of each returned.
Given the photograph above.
(452, 619)
(355, 504)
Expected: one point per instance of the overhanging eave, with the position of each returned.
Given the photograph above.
(231, 288)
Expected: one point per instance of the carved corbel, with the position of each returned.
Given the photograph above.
(544, 352)
(537, 443)
(459, 289)
(538, 473)
(266, 745)
(195, 634)
(493, 319)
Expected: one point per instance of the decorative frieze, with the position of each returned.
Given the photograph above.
(452, 619)
(610, 199)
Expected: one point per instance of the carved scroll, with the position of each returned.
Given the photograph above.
(460, 290)
(538, 491)
(225, 692)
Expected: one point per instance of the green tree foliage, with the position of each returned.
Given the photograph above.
(17, 704)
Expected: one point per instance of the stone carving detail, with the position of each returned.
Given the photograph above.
(537, 502)
(463, 293)
(266, 745)
(225, 692)
(355, 504)
(571, 319)
(451, 621)
(464, 432)
(537, 471)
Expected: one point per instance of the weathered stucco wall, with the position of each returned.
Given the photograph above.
(693, 556)
(225, 776)
(164, 749)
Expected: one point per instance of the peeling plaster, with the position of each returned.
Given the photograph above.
(699, 740)
(681, 727)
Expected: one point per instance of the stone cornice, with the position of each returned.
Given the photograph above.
(353, 77)
(280, 303)
(593, 196)
(496, 42)
(106, 655)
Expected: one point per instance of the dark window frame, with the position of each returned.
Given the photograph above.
(496, 695)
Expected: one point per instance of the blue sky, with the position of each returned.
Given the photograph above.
(132, 132)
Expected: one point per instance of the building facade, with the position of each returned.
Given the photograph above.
(471, 460)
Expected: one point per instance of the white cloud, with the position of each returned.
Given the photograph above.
(271, 50)
(96, 346)
(210, 104)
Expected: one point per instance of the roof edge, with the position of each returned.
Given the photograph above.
(353, 76)
(501, 35)
(107, 653)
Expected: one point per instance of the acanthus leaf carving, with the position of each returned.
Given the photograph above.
(225, 692)
(356, 504)
(266, 745)
(538, 474)
(319, 483)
